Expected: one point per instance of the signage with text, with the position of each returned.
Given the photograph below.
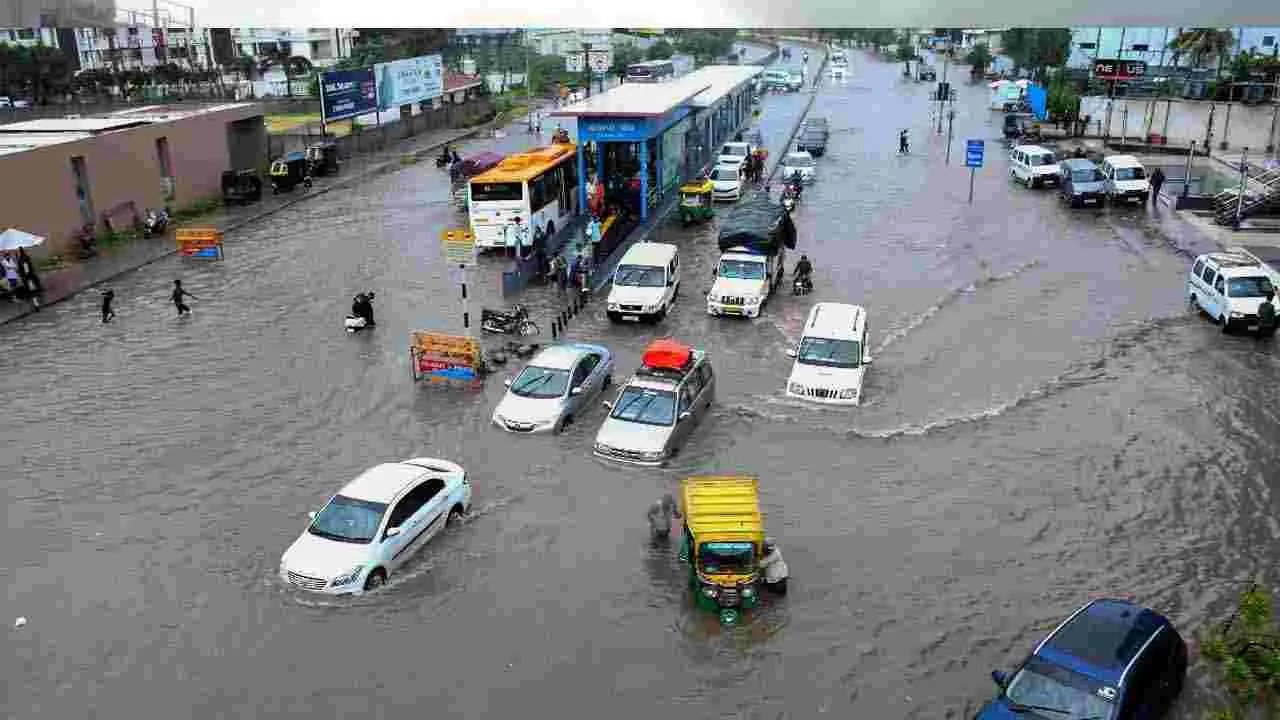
(445, 358)
(973, 152)
(608, 129)
(404, 82)
(1119, 69)
(459, 247)
(348, 93)
(199, 242)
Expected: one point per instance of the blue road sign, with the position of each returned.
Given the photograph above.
(973, 153)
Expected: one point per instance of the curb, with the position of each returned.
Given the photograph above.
(379, 169)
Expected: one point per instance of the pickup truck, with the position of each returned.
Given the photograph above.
(744, 280)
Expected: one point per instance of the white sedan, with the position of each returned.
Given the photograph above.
(554, 388)
(801, 162)
(726, 182)
(374, 524)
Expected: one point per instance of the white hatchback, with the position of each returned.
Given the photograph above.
(374, 524)
(832, 358)
(726, 182)
(799, 162)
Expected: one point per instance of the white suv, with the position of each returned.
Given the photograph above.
(1229, 287)
(1033, 166)
(832, 357)
(646, 283)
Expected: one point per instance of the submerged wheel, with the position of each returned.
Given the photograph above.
(608, 380)
(1226, 326)
(376, 579)
(780, 587)
(528, 327)
(455, 515)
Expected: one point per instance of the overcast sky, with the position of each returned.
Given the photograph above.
(724, 13)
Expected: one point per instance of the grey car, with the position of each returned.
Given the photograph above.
(1081, 183)
(554, 388)
(655, 412)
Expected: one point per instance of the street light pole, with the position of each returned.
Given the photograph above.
(1186, 178)
(1244, 179)
(586, 64)
(951, 125)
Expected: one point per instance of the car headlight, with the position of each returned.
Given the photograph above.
(848, 393)
(614, 307)
(796, 388)
(1236, 314)
(711, 592)
(348, 578)
(748, 592)
(1077, 192)
(753, 301)
(655, 455)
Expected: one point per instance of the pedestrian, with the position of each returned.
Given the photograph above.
(27, 272)
(1157, 181)
(1267, 316)
(660, 516)
(178, 295)
(10, 271)
(544, 266)
(107, 312)
(561, 269)
(903, 144)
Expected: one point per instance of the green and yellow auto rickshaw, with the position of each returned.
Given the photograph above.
(289, 171)
(730, 560)
(695, 201)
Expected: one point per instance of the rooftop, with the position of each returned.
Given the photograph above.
(382, 483)
(639, 99)
(723, 78)
(31, 134)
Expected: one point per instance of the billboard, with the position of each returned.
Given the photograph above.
(445, 358)
(415, 80)
(347, 93)
(199, 242)
(1119, 69)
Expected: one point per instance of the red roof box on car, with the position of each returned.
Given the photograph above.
(667, 354)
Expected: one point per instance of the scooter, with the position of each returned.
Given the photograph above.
(514, 321)
(801, 286)
(155, 223)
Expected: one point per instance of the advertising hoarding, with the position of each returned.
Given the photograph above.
(415, 80)
(347, 93)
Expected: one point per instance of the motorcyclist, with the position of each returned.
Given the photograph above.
(446, 157)
(804, 272)
(362, 307)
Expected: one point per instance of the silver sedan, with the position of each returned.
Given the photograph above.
(554, 387)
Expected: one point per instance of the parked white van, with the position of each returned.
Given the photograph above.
(1229, 287)
(1125, 178)
(832, 356)
(1033, 165)
(645, 284)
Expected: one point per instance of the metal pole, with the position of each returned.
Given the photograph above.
(586, 65)
(1271, 134)
(1244, 179)
(951, 126)
(1168, 108)
(528, 86)
(1186, 178)
(972, 172)
(466, 316)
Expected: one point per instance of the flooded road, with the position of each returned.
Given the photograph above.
(1044, 420)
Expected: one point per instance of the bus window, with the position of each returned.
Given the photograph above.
(509, 191)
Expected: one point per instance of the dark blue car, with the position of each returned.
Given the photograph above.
(1111, 660)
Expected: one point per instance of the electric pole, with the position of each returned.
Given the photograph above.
(586, 64)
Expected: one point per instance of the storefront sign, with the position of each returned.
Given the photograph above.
(415, 80)
(1119, 69)
(459, 247)
(348, 93)
(613, 129)
(445, 358)
(199, 242)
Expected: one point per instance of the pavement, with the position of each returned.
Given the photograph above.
(112, 261)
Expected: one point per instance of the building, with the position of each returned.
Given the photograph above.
(321, 47)
(140, 47)
(565, 41)
(57, 13)
(110, 168)
(29, 36)
(1151, 44)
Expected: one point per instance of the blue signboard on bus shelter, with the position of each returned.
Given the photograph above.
(614, 129)
(348, 93)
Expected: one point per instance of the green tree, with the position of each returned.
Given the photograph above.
(1036, 49)
(705, 45)
(1244, 653)
(661, 50)
(624, 56)
(1201, 44)
(979, 59)
(881, 38)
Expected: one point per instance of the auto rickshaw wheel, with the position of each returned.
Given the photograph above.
(307, 183)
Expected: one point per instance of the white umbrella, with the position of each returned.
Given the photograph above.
(1023, 83)
(12, 239)
(999, 83)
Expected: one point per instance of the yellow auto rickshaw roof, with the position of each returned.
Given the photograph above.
(697, 188)
(723, 508)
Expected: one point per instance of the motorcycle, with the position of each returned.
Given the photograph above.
(88, 243)
(802, 285)
(513, 321)
(155, 223)
(790, 196)
(788, 203)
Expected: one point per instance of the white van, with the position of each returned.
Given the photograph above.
(1125, 178)
(1229, 287)
(645, 284)
(1033, 165)
(832, 355)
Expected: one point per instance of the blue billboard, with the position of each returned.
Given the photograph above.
(1038, 99)
(348, 93)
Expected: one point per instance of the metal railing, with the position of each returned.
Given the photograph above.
(1228, 206)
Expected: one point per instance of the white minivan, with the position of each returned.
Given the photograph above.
(832, 356)
(1125, 178)
(1229, 287)
(1033, 165)
(646, 283)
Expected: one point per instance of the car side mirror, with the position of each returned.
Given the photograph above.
(312, 514)
(576, 391)
(607, 403)
(507, 382)
(866, 360)
(1001, 678)
(392, 532)
(713, 272)
(686, 415)
(791, 352)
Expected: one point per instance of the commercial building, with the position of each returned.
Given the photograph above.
(107, 170)
(662, 133)
(1151, 44)
(57, 13)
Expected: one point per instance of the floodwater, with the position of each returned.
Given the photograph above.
(1044, 420)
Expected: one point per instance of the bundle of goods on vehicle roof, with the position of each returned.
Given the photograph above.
(758, 224)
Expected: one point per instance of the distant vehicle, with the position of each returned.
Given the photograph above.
(645, 284)
(1033, 166)
(832, 355)
(658, 407)
(5, 102)
(1126, 178)
(554, 388)
(525, 193)
(799, 162)
(726, 181)
(1080, 183)
(22, 103)
(1229, 287)
(374, 524)
(925, 73)
(1109, 659)
(651, 71)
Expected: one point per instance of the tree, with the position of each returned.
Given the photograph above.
(1035, 50)
(1203, 44)
(979, 59)
(881, 38)
(660, 50)
(624, 56)
(1244, 652)
(705, 45)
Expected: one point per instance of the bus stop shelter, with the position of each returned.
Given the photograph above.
(676, 124)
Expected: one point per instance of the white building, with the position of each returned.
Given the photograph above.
(139, 47)
(29, 36)
(1151, 44)
(321, 46)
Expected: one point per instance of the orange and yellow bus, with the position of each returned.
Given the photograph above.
(528, 196)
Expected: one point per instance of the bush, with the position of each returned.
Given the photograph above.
(1245, 653)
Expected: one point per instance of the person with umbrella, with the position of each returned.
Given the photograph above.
(10, 267)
